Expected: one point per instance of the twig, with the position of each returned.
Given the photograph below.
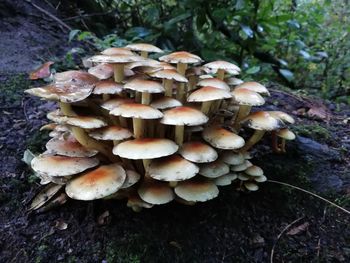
(50, 15)
(87, 15)
(310, 193)
(279, 236)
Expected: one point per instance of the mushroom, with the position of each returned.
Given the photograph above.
(214, 82)
(220, 67)
(146, 87)
(225, 179)
(196, 190)
(285, 134)
(198, 152)
(221, 138)
(254, 86)
(214, 169)
(155, 192)
(144, 48)
(168, 76)
(107, 88)
(105, 71)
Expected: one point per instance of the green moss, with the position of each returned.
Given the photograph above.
(36, 142)
(115, 253)
(12, 88)
(313, 131)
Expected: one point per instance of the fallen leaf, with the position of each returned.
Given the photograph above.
(318, 112)
(60, 224)
(44, 196)
(298, 229)
(42, 72)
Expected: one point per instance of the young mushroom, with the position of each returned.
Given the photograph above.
(144, 49)
(220, 67)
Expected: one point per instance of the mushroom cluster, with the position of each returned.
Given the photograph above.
(153, 131)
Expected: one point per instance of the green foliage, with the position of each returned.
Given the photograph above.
(299, 43)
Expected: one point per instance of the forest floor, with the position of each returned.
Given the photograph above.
(235, 227)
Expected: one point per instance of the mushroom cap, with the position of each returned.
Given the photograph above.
(198, 152)
(254, 171)
(52, 165)
(232, 158)
(136, 110)
(111, 133)
(68, 147)
(243, 177)
(206, 76)
(260, 179)
(225, 179)
(172, 168)
(96, 184)
(56, 116)
(132, 177)
(286, 134)
(220, 64)
(214, 169)
(254, 86)
(144, 47)
(75, 77)
(102, 71)
(184, 116)
(107, 87)
(233, 81)
(115, 102)
(247, 97)
(156, 193)
(135, 202)
(194, 71)
(285, 117)
(147, 62)
(197, 190)
(85, 122)
(214, 82)
(117, 51)
(165, 103)
(262, 120)
(143, 85)
(169, 74)
(222, 138)
(251, 186)
(208, 93)
(115, 59)
(145, 148)
(241, 167)
(67, 93)
(181, 57)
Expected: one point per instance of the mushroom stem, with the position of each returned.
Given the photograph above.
(192, 82)
(146, 98)
(144, 54)
(179, 134)
(67, 109)
(258, 134)
(146, 163)
(220, 74)
(274, 143)
(206, 106)
(283, 146)
(106, 97)
(138, 127)
(243, 111)
(137, 97)
(118, 72)
(181, 68)
(168, 86)
(123, 122)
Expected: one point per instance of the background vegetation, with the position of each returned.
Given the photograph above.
(303, 44)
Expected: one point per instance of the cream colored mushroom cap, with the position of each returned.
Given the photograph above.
(198, 152)
(132, 177)
(75, 77)
(115, 59)
(135, 202)
(262, 120)
(232, 158)
(247, 97)
(184, 116)
(286, 134)
(102, 71)
(285, 117)
(172, 168)
(68, 147)
(197, 190)
(254, 86)
(225, 179)
(220, 64)
(260, 179)
(111, 133)
(145, 148)
(62, 165)
(181, 57)
(251, 186)
(214, 169)
(144, 47)
(241, 167)
(214, 82)
(233, 81)
(208, 94)
(136, 110)
(254, 171)
(86, 122)
(117, 51)
(169, 74)
(165, 103)
(222, 138)
(96, 184)
(147, 62)
(115, 102)
(107, 87)
(156, 193)
(143, 85)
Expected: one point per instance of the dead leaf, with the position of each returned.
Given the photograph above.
(60, 224)
(175, 244)
(55, 202)
(318, 112)
(44, 196)
(104, 218)
(298, 229)
(42, 72)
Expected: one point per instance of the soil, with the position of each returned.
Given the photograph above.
(235, 227)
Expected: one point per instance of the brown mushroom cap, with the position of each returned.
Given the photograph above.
(172, 168)
(181, 57)
(198, 152)
(214, 82)
(136, 110)
(254, 171)
(147, 62)
(165, 103)
(143, 85)
(169, 74)
(286, 134)
(247, 97)
(62, 165)
(222, 138)
(197, 190)
(75, 77)
(85, 122)
(220, 64)
(117, 51)
(254, 86)
(156, 193)
(285, 117)
(145, 148)
(144, 47)
(214, 169)
(115, 102)
(68, 147)
(184, 116)
(262, 120)
(115, 58)
(111, 133)
(102, 71)
(107, 87)
(208, 94)
(96, 184)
